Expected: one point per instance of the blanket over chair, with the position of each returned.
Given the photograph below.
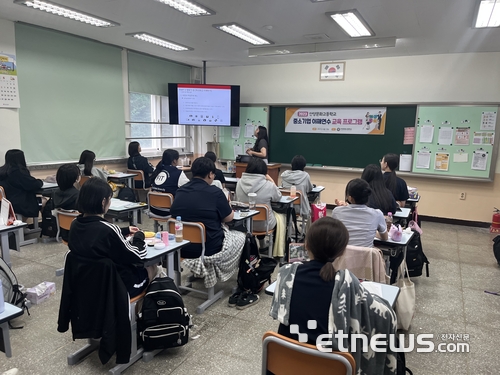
(221, 265)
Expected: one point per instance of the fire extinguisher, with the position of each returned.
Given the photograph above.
(495, 221)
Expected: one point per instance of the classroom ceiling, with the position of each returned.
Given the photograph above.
(420, 27)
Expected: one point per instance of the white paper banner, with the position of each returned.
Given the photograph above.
(336, 120)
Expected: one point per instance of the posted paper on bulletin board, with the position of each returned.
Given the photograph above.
(455, 140)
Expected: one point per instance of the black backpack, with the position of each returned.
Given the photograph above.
(126, 194)
(49, 223)
(496, 248)
(254, 271)
(164, 321)
(415, 257)
(11, 289)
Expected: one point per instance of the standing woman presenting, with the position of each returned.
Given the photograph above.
(261, 147)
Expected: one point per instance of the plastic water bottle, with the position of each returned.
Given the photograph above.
(2, 302)
(178, 229)
(389, 220)
(293, 191)
(158, 237)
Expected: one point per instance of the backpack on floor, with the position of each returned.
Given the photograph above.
(415, 257)
(496, 248)
(254, 271)
(164, 321)
(49, 223)
(11, 289)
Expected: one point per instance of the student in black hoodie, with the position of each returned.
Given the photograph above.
(66, 196)
(93, 237)
(20, 187)
(138, 162)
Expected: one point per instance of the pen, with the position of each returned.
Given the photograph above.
(494, 293)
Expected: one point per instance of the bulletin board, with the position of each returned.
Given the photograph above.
(456, 141)
(235, 140)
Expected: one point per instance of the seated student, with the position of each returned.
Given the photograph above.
(199, 201)
(138, 162)
(86, 165)
(396, 185)
(20, 187)
(66, 196)
(381, 198)
(256, 180)
(93, 237)
(362, 222)
(301, 180)
(219, 176)
(167, 178)
(314, 290)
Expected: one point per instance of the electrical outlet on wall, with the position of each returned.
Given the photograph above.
(462, 195)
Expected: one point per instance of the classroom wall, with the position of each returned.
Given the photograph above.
(447, 78)
(9, 117)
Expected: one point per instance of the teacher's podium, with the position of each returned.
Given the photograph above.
(273, 170)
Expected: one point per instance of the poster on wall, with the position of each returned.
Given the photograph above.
(488, 120)
(462, 136)
(9, 92)
(336, 120)
(441, 161)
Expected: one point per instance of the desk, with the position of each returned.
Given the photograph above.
(120, 207)
(168, 255)
(4, 239)
(315, 193)
(388, 292)
(231, 183)
(286, 201)
(392, 248)
(403, 214)
(9, 313)
(128, 177)
(273, 170)
(48, 189)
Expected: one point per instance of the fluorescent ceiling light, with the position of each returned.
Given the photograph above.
(160, 41)
(345, 45)
(240, 32)
(67, 12)
(488, 14)
(189, 7)
(352, 23)
(319, 1)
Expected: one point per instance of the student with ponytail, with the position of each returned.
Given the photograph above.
(396, 185)
(381, 198)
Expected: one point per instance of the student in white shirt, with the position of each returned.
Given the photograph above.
(362, 222)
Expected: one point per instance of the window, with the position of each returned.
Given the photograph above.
(147, 109)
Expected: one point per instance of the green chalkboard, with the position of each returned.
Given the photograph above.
(340, 150)
(456, 141)
(250, 117)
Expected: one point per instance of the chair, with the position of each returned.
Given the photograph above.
(284, 356)
(195, 232)
(2, 193)
(139, 176)
(159, 201)
(364, 262)
(81, 273)
(64, 219)
(84, 179)
(263, 215)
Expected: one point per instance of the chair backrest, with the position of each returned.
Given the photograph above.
(64, 219)
(192, 231)
(263, 214)
(364, 262)
(139, 176)
(284, 356)
(84, 179)
(160, 200)
(2, 193)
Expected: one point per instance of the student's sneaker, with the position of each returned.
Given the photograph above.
(246, 299)
(233, 300)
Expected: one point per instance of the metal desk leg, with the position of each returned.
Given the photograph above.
(5, 248)
(6, 338)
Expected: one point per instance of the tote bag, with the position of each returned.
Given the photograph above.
(405, 304)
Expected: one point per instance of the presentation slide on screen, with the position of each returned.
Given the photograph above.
(204, 105)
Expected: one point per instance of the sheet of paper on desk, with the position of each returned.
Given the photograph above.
(372, 287)
(235, 132)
